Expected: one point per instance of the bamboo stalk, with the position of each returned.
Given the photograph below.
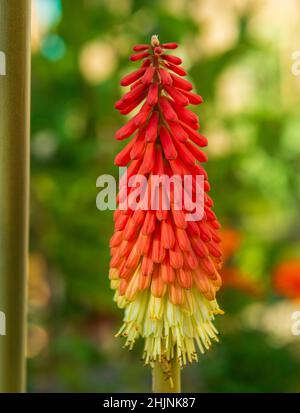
(14, 187)
(166, 377)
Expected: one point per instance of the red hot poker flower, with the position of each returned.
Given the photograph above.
(164, 267)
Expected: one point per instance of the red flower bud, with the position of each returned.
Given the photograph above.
(167, 109)
(132, 77)
(181, 83)
(178, 70)
(139, 56)
(140, 47)
(172, 59)
(177, 96)
(193, 98)
(151, 129)
(152, 97)
(167, 144)
(169, 45)
(148, 76)
(165, 77)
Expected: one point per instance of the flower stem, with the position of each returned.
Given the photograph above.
(14, 190)
(166, 377)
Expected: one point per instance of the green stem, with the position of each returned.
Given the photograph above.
(166, 377)
(14, 189)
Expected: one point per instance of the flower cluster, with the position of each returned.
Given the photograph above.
(164, 268)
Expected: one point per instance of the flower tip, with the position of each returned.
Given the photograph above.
(154, 40)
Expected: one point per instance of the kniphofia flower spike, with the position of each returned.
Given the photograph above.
(165, 269)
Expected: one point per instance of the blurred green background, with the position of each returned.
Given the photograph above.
(239, 56)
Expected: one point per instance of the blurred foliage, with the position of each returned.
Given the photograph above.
(251, 118)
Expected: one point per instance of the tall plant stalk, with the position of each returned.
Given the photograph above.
(14, 188)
